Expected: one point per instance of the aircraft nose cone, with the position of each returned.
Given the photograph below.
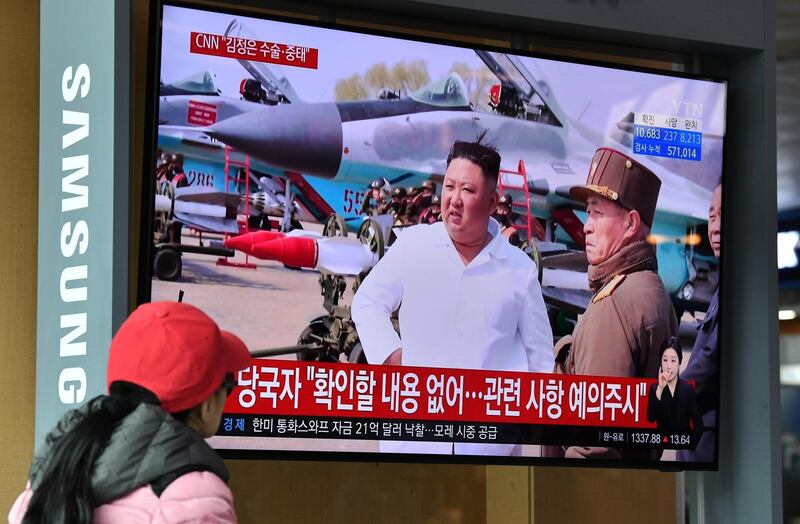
(306, 138)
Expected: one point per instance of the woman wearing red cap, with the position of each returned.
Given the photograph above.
(139, 454)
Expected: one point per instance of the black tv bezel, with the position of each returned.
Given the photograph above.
(144, 282)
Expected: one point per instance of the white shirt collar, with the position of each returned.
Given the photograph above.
(495, 247)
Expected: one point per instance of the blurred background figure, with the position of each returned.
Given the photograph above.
(506, 217)
(433, 213)
(375, 197)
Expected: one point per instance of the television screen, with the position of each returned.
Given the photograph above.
(438, 252)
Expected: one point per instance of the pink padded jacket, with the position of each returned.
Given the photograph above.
(198, 496)
(153, 469)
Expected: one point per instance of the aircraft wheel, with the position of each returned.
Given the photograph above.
(167, 264)
(370, 235)
(316, 330)
(335, 227)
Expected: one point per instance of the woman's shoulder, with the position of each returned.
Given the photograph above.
(194, 496)
(198, 484)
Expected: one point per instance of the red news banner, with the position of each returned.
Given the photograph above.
(296, 388)
(255, 50)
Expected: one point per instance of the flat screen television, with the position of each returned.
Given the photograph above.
(333, 197)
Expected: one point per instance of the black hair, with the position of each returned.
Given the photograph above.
(484, 156)
(674, 343)
(63, 486)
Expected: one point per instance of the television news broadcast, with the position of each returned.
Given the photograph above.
(442, 253)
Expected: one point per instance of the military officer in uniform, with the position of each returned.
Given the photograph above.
(428, 191)
(433, 213)
(397, 204)
(419, 202)
(374, 198)
(505, 216)
(410, 216)
(630, 315)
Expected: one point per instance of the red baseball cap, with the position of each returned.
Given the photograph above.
(176, 351)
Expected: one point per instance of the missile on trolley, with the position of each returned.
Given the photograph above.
(246, 242)
(164, 203)
(329, 255)
(211, 211)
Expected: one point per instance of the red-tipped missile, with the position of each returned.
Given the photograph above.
(294, 252)
(245, 243)
(332, 255)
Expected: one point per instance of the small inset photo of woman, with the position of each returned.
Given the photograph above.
(672, 403)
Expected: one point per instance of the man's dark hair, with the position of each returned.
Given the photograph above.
(484, 156)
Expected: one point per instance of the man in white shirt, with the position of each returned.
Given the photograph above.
(467, 298)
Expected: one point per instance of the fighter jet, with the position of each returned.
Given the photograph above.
(330, 149)
(188, 106)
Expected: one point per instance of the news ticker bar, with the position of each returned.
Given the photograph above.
(316, 389)
(275, 426)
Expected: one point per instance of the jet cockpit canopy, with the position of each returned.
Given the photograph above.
(447, 92)
(201, 83)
